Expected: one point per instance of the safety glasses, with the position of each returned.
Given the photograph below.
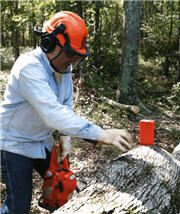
(77, 60)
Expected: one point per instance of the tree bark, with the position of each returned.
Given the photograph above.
(178, 78)
(167, 59)
(128, 78)
(33, 34)
(79, 8)
(143, 180)
(13, 5)
(97, 14)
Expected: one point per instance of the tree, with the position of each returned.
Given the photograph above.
(144, 180)
(79, 8)
(128, 77)
(160, 26)
(178, 79)
(167, 62)
(14, 27)
(33, 23)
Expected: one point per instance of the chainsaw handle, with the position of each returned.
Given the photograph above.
(54, 160)
(65, 163)
(46, 206)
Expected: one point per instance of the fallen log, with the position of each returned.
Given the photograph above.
(133, 108)
(143, 180)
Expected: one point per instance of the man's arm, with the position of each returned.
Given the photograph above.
(34, 87)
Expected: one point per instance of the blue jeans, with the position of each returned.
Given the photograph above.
(17, 172)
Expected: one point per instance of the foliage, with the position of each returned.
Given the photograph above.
(175, 134)
(101, 31)
(157, 82)
(158, 43)
(7, 57)
(160, 33)
(174, 98)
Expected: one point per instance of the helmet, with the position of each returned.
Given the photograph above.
(70, 31)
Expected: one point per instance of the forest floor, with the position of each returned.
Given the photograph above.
(86, 158)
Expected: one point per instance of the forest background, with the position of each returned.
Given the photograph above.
(156, 78)
(158, 41)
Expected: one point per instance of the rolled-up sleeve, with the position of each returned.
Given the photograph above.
(34, 87)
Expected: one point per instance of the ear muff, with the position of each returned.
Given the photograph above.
(47, 43)
(49, 40)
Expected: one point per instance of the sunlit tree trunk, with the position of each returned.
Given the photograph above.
(128, 82)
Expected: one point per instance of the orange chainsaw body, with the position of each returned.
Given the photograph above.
(59, 183)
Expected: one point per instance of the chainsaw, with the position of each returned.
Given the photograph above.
(59, 183)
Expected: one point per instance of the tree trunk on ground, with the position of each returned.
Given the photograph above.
(128, 78)
(143, 180)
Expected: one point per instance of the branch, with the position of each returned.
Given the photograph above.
(133, 108)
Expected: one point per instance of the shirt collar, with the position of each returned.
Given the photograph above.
(50, 70)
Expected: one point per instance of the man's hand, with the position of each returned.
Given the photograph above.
(117, 137)
(65, 143)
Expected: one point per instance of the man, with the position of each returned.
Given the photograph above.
(38, 100)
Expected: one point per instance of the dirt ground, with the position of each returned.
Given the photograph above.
(86, 158)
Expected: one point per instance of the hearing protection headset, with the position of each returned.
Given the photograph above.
(49, 40)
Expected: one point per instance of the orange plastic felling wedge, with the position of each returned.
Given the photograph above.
(146, 129)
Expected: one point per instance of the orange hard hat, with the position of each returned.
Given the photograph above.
(73, 37)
